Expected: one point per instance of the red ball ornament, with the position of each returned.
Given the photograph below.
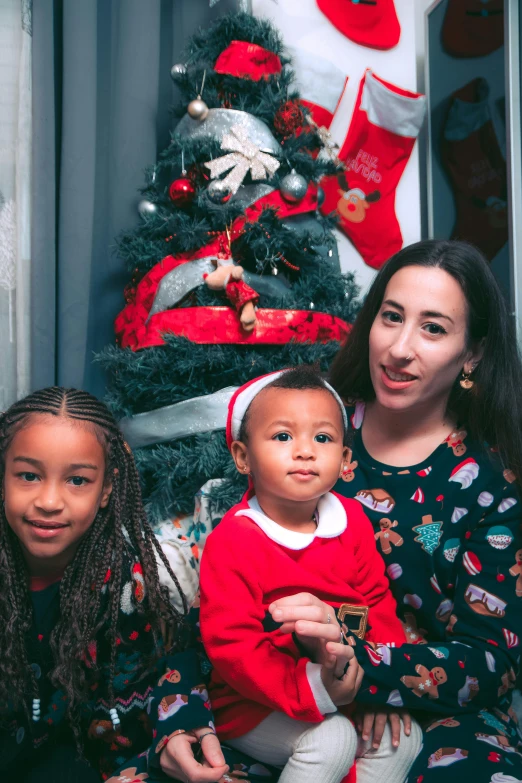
(288, 119)
(182, 191)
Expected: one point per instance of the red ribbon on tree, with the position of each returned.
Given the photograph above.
(248, 61)
(134, 329)
(221, 326)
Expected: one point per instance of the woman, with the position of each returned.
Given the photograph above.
(432, 367)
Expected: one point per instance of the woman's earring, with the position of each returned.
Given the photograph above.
(466, 381)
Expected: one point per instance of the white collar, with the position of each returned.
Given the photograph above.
(332, 522)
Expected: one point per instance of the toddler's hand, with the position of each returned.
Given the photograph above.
(366, 720)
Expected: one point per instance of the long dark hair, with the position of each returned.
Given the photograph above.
(492, 410)
(91, 586)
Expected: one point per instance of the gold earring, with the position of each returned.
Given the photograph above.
(466, 381)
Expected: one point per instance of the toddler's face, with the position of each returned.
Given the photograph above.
(295, 443)
(53, 487)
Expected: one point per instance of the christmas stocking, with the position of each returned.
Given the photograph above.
(371, 23)
(472, 158)
(473, 28)
(384, 126)
(321, 85)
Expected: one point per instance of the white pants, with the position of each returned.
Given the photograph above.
(313, 752)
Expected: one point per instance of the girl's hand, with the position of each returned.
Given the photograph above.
(178, 762)
(307, 617)
(366, 720)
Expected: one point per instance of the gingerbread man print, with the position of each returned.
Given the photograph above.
(387, 536)
(347, 473)
(455, 441)
(516, 570)
(414, 635)
(449, 723)
(427, 682)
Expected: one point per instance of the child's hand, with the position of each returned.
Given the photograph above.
(366, 720)
(342, 678)
(178, 762)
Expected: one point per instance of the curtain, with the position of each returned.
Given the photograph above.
(102, 92)
(15, 201)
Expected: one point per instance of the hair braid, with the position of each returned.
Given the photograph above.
(89, 597)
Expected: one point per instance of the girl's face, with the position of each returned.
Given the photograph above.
(53, 487)
(418, 342)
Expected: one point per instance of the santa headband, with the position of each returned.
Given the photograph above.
(248, 61)
(246, 394)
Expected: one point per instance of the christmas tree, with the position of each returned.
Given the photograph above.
(234, 271)
(428, 534)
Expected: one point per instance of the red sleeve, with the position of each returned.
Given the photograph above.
(264, 666)
(385, 626)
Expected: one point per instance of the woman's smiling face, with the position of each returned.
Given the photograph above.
(418, 340)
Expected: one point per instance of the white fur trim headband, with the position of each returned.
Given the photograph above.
(249, 392)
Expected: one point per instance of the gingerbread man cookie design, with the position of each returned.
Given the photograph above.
(516, 570)
(414, 635)
(387, 536)
(455, 441)
(449, 723)
(427, 682)
(172, 675)
(347, 473)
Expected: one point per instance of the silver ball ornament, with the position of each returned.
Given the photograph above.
(293, 187)
(197, 109)
(177, 71)
(218, 193)
(146, 208)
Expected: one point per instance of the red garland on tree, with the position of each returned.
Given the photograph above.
(289, 119)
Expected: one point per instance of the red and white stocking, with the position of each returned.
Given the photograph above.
(372, 23)
(477, 170)
(321, 85)
(385, 123)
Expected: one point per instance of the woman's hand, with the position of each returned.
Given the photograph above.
(366, 720)
(342, 678)
(313, 622)
(178, 762)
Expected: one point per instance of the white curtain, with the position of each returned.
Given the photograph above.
(15, 198)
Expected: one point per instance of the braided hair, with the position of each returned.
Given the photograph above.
(119, 532)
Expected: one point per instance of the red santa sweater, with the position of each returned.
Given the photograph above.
(250, 561)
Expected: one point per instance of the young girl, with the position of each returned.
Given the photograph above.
(82, 612)
(289, 534)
